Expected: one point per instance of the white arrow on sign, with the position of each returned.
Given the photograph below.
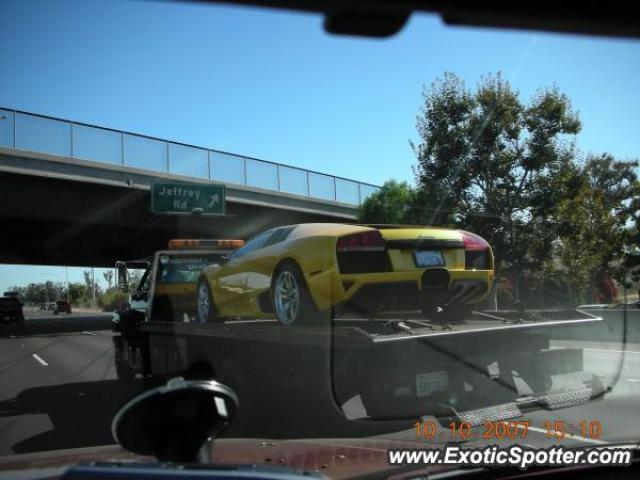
(213, 199)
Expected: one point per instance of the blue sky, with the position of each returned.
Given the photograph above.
(273, 85)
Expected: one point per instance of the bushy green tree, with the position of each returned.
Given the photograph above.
(112, 299)
(78, 293)
(40, 292)
(509, 170)
(389, 205)
(596, 223)
(481, 154)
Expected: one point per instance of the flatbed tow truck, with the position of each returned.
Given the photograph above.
(358, 376)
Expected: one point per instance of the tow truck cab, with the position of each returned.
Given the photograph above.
(167, 288)
(165, 293)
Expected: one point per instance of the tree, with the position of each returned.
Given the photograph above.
(443, 128)
(36, 293)
(596, 225)
(108, 276)
(482, 158)
(577, 247)
(78, 293)
(613, 185)
(509, 170)
(92, 285)
(388, 205)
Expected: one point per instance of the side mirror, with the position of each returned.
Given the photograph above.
(122, 276)
(176, 422)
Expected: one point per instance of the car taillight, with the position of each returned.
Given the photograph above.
(473, 242)
(363, 252)
(476, 252)
(370, 241)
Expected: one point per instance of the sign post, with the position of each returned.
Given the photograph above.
(170, 197)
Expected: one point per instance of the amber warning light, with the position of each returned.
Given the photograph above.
(180, 244)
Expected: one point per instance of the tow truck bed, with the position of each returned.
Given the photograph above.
(397, 366)
(379, 330)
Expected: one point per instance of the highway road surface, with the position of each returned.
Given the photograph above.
(58, 387)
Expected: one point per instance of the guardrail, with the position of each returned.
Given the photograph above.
(40, 133)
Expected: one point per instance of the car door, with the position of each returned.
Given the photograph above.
(230, 287)
(259, 265)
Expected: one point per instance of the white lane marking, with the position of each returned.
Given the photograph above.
(89, 333)
(633, 380)
(39, 359)
(610, 351)
(566, 435)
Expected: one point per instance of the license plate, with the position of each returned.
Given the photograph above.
(429, 383)
(427, 258)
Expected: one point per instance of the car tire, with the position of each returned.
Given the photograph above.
(205, 308)
(292, 301)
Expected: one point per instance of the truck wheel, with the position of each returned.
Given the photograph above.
(204, 303)
(124, 372)
(292, 301)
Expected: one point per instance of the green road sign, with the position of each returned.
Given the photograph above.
(180, 197)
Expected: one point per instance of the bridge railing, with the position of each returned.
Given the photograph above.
(54, 136)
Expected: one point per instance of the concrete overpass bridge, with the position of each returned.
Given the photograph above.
(78, 194)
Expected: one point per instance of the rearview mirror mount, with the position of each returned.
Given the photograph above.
(176, 422)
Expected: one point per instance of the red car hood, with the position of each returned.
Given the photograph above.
(334, 458)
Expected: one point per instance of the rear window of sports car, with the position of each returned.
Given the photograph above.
(280, 234)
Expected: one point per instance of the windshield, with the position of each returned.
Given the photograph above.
(440, 229)
(184, 268)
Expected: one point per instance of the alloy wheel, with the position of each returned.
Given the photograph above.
(203, 303)
(287, 297)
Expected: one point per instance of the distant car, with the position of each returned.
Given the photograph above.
(61, 306)
(293, 273)
(11, 308)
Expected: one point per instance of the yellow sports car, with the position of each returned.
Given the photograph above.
(297, 272)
